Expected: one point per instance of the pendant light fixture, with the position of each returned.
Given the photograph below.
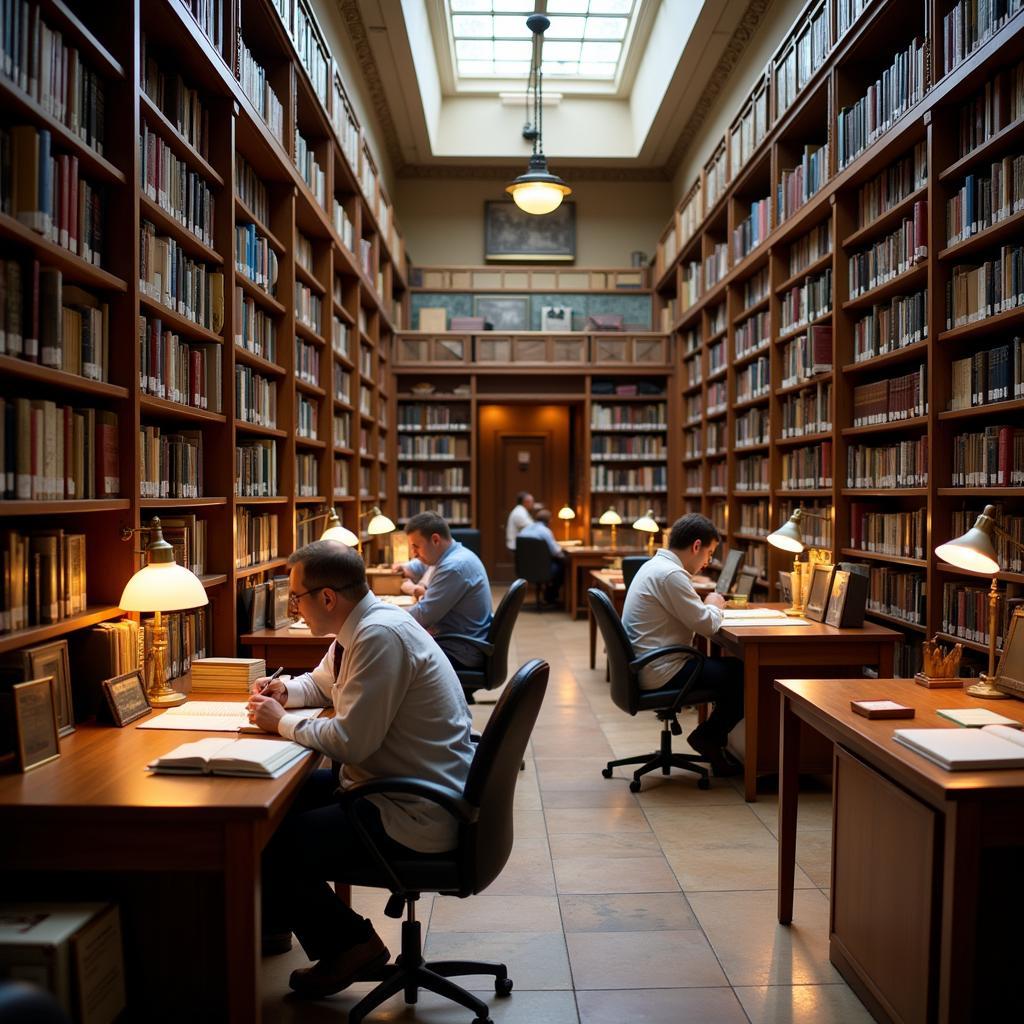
(538, 191)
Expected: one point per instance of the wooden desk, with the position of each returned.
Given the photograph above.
(773, 652)
(290, 648)
(581, 560)
(181, 854)
(609, 582)
(926, 882)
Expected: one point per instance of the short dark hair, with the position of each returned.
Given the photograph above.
(692, 527)
(326, 563)
(542, 515)
(429, 523)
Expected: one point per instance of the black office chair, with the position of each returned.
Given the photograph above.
(533, 563)
(631, 566)
(666, 703)
(468, 538)
(494, 670)
(484, 813)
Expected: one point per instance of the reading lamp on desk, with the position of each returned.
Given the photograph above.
(379, 523)
(975, 552)
(788, 537)
(565, 513)
(333, 530)
(649, 525)
(161, 585)
(609, 517)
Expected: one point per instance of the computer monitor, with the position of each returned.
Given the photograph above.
(733, 561)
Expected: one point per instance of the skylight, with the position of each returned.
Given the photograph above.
(586, 38)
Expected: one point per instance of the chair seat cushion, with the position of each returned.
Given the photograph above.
(665, 697)
(433, 874)
(472, 679)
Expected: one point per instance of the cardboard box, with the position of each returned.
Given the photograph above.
(71, 949)
(433, 318)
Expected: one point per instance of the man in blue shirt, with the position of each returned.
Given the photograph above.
(458, 599)
(540, 528)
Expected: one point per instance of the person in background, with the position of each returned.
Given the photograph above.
(416, 588)
(521, 516)
(662, 608)
(458, 599)
(541, 529)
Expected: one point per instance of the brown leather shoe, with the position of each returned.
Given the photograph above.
(334, 973)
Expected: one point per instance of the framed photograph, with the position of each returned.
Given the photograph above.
(1010, 672)
(126, 698)
(745, 584)
(277, 603)
(818, 591)
(731, 566)
(52, 660)
(785, 587)
(503, 312)
(35, 722)
(516, 237)
(837, 598)
(258, 616)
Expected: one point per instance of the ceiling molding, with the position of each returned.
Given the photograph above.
(498, 172)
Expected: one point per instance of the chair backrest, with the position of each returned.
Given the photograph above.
(631, 566)
(485, 845)
(533, 560)
(500, 634)
(468, 538)
(625, 684)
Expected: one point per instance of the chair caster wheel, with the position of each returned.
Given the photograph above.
(703, 783)
(634, 786)
(606, 772)
(482, 1020)
(503, 986)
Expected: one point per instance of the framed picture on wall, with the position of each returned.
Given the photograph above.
(504, 312)
(516, 237)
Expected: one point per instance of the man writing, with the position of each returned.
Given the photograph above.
(521, 516)
(662, 608)
(399, 710)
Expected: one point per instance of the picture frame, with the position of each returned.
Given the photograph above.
(786, 587)
(277, 603)
(126, 698)
(512, 236)
(818, 591)
(258, 615)
(51, 659)
(35, 722)
(837, 598)
(503, 312)
(1010, 671)
(745, 584)
(731, 566)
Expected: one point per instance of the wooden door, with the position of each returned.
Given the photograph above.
(521, 448)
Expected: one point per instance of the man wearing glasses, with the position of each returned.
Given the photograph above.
(398, 710)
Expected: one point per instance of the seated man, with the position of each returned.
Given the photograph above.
(540, 528)
(459, 597)
(662, 608)
(398, 710)
(520, 517)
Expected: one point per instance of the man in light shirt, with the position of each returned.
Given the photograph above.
(541, 529)
(662, 608)
(520, 517)
(398, 711)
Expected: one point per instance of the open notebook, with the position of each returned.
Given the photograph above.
(214, 716)
(262, 759)
(993, 746)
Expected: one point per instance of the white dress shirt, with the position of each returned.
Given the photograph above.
(517, 519)
(662, 608)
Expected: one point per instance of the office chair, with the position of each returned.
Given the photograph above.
(484, 813)
(468, 538)
(631, 566)
(494, 670)
(533, 562)
(666, 703)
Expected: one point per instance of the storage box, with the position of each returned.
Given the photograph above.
(384, 581)
(470, 323)
(71, 949)
(433, 318)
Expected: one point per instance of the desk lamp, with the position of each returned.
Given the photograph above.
(161, 585)
(649, 525)
(565, 513)
(975, 552)
(609, 517)
(333, 529)
(789, 538)
(379, 523)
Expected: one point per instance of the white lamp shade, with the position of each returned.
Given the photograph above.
(610, 518)
(647, 523)
(341, 535)
(973, 551)
(538, 197)
(566, 513)
(163, 587)
(787, 538)
(379, 523)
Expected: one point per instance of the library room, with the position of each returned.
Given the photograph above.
(511, 511)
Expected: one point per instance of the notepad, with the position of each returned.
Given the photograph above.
(993, 746)
(262, 759)
(976, 717)
(214, 716)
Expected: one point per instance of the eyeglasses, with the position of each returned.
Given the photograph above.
(293, 599)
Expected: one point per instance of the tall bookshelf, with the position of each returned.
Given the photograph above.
(859, 254)
(288, 329)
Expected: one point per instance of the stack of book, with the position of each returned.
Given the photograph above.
(886, 401)
(234, 675)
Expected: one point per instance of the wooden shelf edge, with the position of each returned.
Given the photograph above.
(40, 634)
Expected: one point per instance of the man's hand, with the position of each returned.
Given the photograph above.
(403, 568)
(265, 712)
(275, 689)
(715, 599)
(416, 590)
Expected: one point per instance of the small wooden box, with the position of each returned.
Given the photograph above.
(938, 683)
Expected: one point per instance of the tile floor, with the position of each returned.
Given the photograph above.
(615, 908)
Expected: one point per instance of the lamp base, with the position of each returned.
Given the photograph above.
(794, 612)
(167, 698)
(983, 688)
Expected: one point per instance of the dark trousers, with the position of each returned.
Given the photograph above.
(554, 585)
(724, 678)
(315, 845)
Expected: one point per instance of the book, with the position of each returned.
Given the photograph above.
(994, 746)
(234, 674)
(214, 716)
(255, 758)
(976, 717)
(881, 709)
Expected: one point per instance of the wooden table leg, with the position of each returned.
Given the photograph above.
(242, 922)
(751, 682)
(789, 790)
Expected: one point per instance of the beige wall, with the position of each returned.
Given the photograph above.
(443, 220)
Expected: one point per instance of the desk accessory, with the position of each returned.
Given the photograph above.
(818, 591)
(36, 740)
(966, 749)
(786, 586)
(1010, 676)
(975, 718)
(940, 667)
(731, 566)
(278, 614)
(788, 537)
(847, 600)
(51, 659)
(126, 698)
(881, 709)
(566, 513)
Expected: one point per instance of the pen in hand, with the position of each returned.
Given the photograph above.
(270, 679)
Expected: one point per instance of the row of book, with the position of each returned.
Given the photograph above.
(970, 24)
(807, 355)
(42, 578)
(416, 416)
(754, 518)
(899, 534)
(716, 357)
(255, 257)
(807, 301)
(1008, 545)
(342, 430)
(340, 479)
(44, 190)
(991, 375)
(307, 362)
(693, 443)
(993, 457)
(309, 307)
(984, 200)
(898, 593)
(965, 613)
(810, 248)
(716, 264)
(755, 288)
(628, 416)
(43, 320)
(891, 399)
(798, 185)
(187, 535)
(817, 533)
(252, 77)
(170, 464)
(693, 408)
(809, 467)
(50, 72)
(249, 187)
(51, 452)
(998, 104)
(255, 397)
(693, 369)
(339, 338)
(181, 105)
(256, 469)
(752, 334)
(177, 369)
(455, 510)
(174, 186)
(632, 480)
(751, 428)
(344, 227)
(169, 276)
(433, 446)
(306, 417)
(753, 380)
(309, 170)
(892, 255)
(717, 397)
(692, 480)
(439, 481)
(342, 385)
(304, 252)
(608, 447)
(875, 467)
(752, 474)
(307, 475)
(808, 412)
(255, 537)
(717, 321)
(904, 321)
(750, 232)
(977, 291)
(907, 656)
(896, 183)
(717, 438)
(256, 330)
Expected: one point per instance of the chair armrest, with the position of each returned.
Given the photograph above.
(483, 646)
(661, 652)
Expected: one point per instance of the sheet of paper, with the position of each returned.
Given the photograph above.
(213, 716)
(759, 623)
